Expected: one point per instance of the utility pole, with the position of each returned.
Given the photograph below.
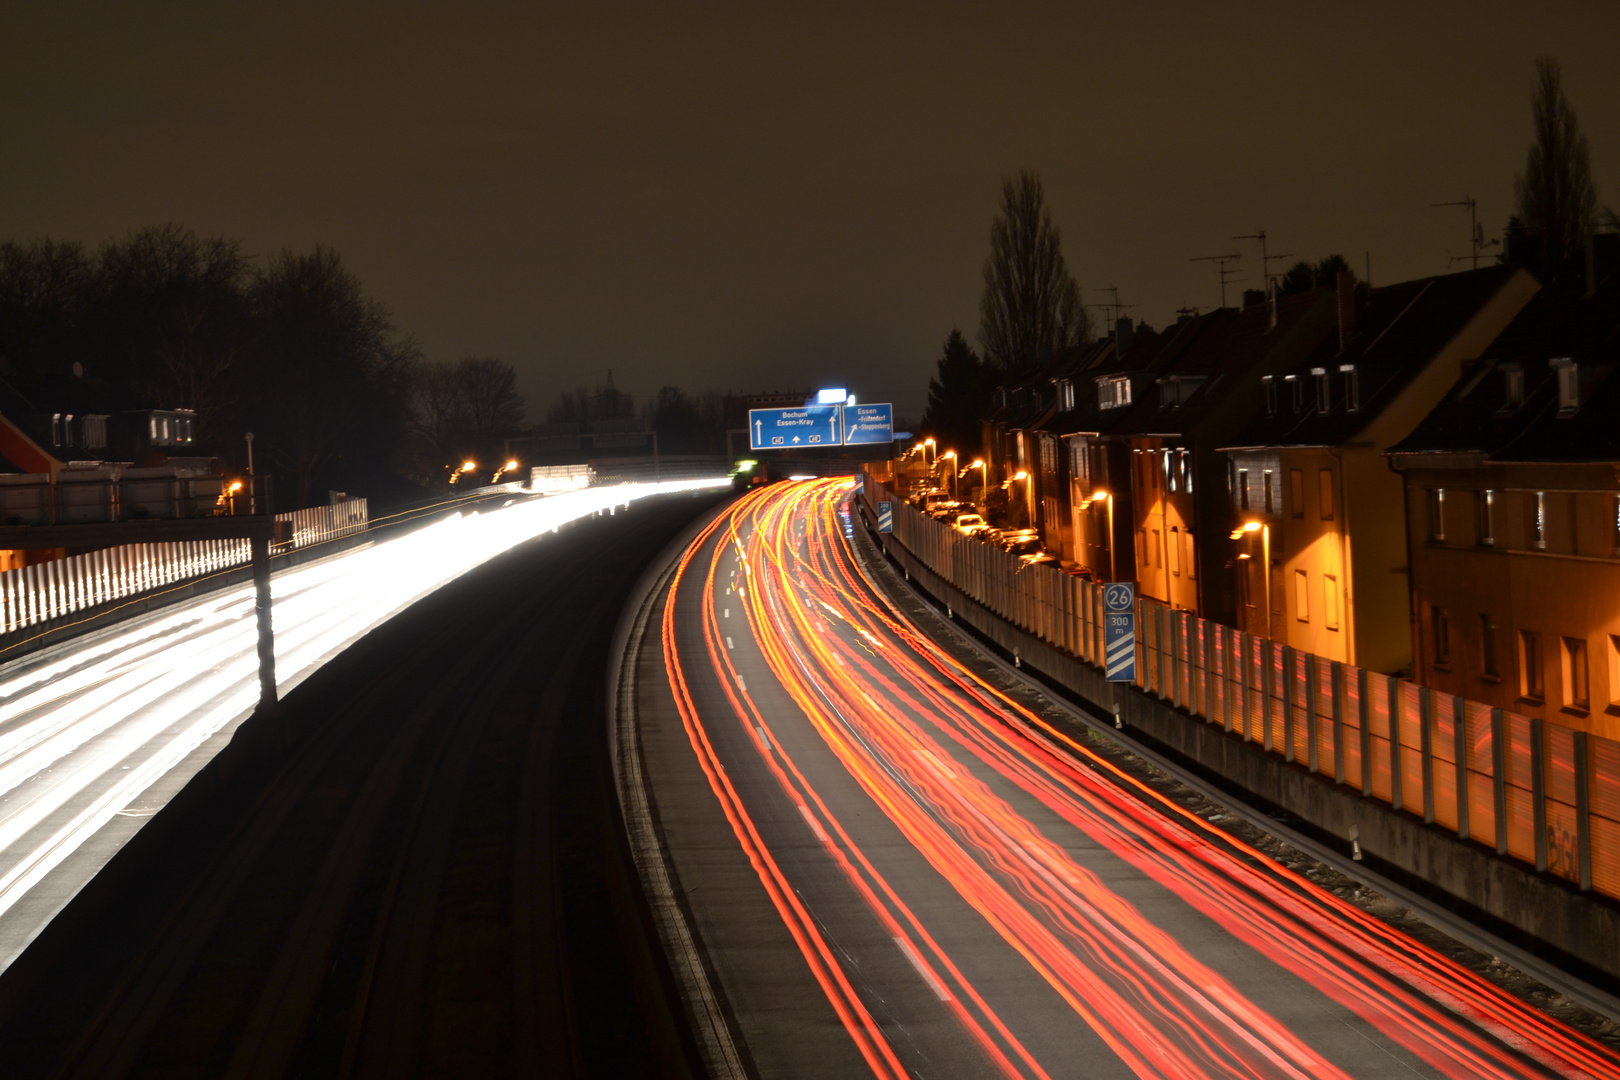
(1476, 235)
(1265, 259)
(1221, 262)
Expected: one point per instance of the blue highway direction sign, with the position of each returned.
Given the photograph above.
(886, 517)
(1119, 631)
(868, 424)
(788, 429)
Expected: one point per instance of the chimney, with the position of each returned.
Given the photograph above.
(1122, 335)
(1347, 308)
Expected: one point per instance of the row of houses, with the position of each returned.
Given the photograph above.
(1421, 478)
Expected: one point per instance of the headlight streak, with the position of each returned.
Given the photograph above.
(87, 733)
(1406, 991)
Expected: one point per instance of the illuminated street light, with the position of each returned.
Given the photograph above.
(952, 455)
(1246, 529)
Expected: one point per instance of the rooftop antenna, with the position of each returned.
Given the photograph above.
(1476, 232)
(1113, 307)
(1220, 262)
(1265, 260)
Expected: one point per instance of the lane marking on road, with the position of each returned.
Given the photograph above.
(922, 969)
(815, 826)
(729, 645)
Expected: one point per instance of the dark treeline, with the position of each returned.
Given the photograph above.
(290, 348)
(686, 423)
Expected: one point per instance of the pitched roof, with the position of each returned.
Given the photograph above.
(1399, 330)
(1477, 417)
(1217, 374)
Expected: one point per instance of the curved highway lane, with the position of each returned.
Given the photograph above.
(895, 869)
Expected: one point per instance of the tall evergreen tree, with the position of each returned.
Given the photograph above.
(1031, 304)
(1554, 197)
(958, 397)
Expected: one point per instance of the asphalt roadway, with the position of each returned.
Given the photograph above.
(413, 866)
(887, 866)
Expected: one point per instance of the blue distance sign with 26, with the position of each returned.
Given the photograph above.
(868, 424)
(809, 425)
(1119, 631)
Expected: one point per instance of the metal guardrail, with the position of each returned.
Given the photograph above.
(1541, 793)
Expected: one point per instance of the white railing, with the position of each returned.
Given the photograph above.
(300, 528)
(31, 595)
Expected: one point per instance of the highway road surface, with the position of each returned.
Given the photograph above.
(410, 867)
(890, 867)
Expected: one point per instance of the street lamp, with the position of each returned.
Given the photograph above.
(928, 444)
(1109, 497)
(1264, 530)
(983, 476)
(952, 455)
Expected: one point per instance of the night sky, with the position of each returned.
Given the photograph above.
(745, 198)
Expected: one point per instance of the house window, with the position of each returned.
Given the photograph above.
(1066, 395)
(1487, 515)
(1049, 455)
(1572, 666)
(1113, 392)
(1169, 474)
(1324, 480)
(1270, 383)
(1530, 684)
(1186, 472)
(1614, 671)
(1437, 514)
(1296, 492)
(1352, 387)
(1569, 385)
(1243, 489)
(1175, 550)
(1296, 393)
(1330, 601)
(1441, 626)
(1324, 391)
(1191, 561)
(1538, 521)
(1487, 647)
(1266, 478)
(1158, 552)
(1512, 387)
(1302, 597)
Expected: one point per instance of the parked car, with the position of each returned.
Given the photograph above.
(1022, 545)
(1038, 557)
(970, 524)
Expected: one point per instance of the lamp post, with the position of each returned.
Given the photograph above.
(952, 455)
(1024, 476)
(983, 481)
(1265, 561)
(928, 444)
(1108, 498)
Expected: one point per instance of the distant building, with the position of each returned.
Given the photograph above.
(1512, 497)
(1310, 470)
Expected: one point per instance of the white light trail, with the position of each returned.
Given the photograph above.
(86, 733)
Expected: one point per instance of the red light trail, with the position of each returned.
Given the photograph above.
(949, 759)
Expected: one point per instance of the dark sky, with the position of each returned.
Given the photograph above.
(746, 197)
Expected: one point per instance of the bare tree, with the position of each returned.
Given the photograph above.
(1555, 197)
(331, 375)
(466, 409)
(1031, 303)
(173, 309)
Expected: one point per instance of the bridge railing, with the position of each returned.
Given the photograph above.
(1538, 792)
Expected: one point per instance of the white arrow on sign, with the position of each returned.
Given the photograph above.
(759, 426)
